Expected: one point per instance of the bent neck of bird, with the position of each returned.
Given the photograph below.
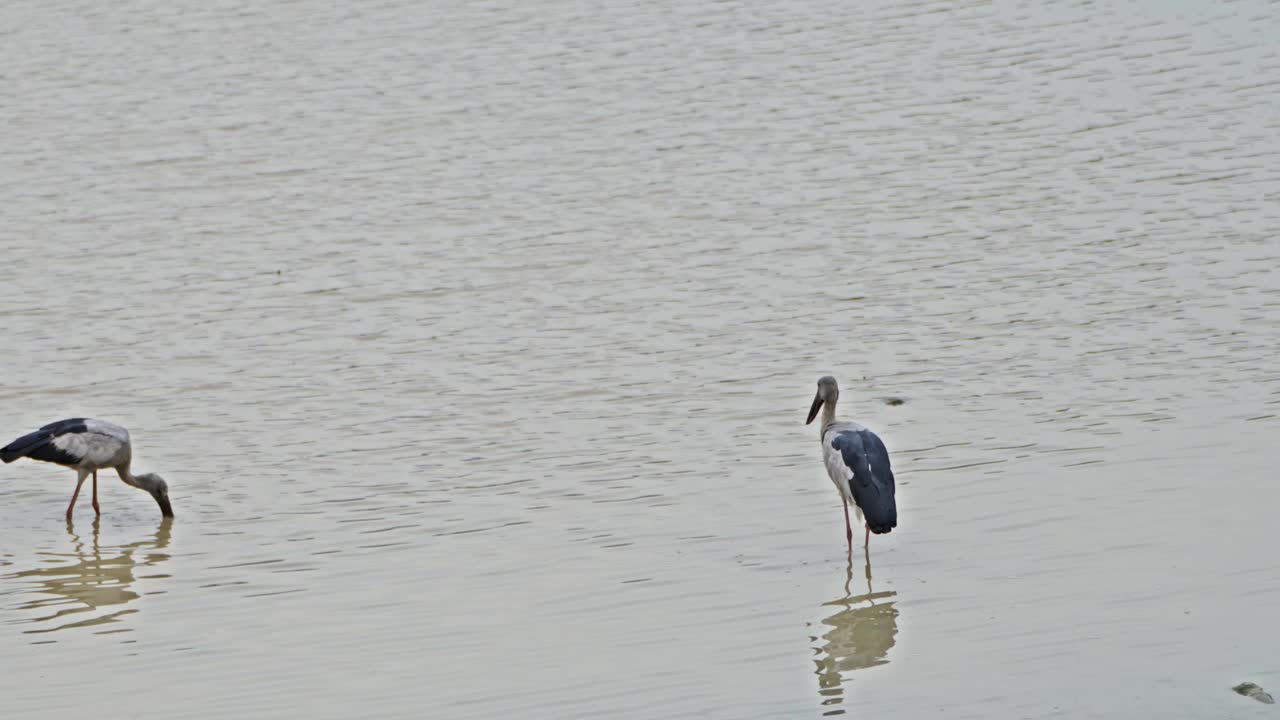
(125, 475)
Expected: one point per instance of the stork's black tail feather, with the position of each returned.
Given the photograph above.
(39, 444)
(23, 445)
(882, 527)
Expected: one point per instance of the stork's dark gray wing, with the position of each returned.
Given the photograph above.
(872, 483)
(39, 445)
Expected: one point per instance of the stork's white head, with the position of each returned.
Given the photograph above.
(828, 392)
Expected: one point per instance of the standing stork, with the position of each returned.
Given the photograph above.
(858, 464)
(87, 446)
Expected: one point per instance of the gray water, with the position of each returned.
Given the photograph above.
(475, 342)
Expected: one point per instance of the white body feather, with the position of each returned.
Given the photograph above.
(102, 445)
(839, 473)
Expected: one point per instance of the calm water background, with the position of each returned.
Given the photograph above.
(475, 341)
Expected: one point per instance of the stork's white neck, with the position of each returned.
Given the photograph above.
(125, 475)
(828, 415)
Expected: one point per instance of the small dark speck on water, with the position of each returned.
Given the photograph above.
(891, 400)
(1252, 690)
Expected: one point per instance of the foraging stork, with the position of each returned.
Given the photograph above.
(858, 464)
(87, 446)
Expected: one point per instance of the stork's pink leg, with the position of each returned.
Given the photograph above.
(76, 494)
(848, 529)
(96, 511)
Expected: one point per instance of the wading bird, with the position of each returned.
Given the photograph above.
(858, 464)
(87, 446)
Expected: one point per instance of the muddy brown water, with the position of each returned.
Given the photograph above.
(475, 341)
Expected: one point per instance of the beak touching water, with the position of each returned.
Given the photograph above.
(162, 499)
(813, 411)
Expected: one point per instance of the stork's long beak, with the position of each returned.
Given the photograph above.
(813, 411)
(162, 499)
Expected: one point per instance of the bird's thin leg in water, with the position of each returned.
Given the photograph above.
(866, 570)
(76, 494)
(866, 539)
(848, 529)
(96, 511)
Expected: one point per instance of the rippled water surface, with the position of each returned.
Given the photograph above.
(475, 341)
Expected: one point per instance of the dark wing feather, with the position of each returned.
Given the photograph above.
(61, 427)
(872, 481)
(39, 444)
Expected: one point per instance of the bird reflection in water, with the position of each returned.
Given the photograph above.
(96, 578)
(860, 636)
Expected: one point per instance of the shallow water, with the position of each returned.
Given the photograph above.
(475, 343)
